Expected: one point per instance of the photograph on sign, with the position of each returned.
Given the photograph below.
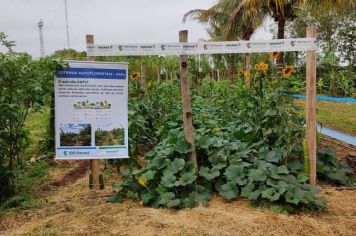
(91, 110)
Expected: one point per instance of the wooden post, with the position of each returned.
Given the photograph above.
(158, 73)
(94, 164)
(143, 77)
(311, 107)
(187, 104)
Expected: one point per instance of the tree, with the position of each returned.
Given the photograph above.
(335, 30)
(67, 54)
(242, 25)
(284, 10)
(24, 84)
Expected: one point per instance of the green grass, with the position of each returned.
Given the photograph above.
(337, 115)
(37, 123)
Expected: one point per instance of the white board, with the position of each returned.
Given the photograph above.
(280, 45)
(91, 111)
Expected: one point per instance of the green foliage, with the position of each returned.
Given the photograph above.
(250, 152)
(328, 167)
(335, 80)
(24, 83)
(27, 182)
(69, 54)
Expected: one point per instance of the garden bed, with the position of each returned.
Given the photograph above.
(75, 210)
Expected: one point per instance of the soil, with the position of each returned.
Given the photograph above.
(73, 175)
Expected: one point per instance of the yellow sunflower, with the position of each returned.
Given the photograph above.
(135, 76)
(257, 66)
(286, 72)
(262, 67)
(241, 72)
(247, 74)
(275, 55)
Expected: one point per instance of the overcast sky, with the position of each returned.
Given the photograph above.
(111, 21)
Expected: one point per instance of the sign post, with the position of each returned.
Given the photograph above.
(91, 106)
(94, 165)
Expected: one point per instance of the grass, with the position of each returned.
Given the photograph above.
(37, 123)
(337, 115)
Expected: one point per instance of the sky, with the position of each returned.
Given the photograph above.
(72, 128)
(110, 21)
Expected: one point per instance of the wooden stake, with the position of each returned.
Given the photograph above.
(159, 73)
(143, 77)
(187, 104)
(311, 107)
(94, 164)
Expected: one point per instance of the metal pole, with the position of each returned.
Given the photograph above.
(65, 6)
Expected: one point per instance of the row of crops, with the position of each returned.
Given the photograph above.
(249, 142)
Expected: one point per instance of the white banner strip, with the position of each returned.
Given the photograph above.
(279, 45)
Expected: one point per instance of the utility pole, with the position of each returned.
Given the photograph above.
(66, 11)
(42, 49)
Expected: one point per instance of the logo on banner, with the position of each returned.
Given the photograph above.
(292, 43)
(163, 47)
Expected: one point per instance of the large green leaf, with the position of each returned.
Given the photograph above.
(229, 191)
(166, 198)
(168, 179)
(234, 172)
(273, 156)
(271, 193)
(148, 197)
(248, 191)
(186, 178)
(204, 142)
(182, 146)
(257, 175)
(149, 175)
(203, 194)
(176, 165)
(209, 174)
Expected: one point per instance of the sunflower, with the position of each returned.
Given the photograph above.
(262, 67)
(247, 74)
(275, 55)
(135, 76)
(257, 66)
(286, 72)
(241, 72)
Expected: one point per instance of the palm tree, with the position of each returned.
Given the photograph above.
(284, 10)
(242, 27)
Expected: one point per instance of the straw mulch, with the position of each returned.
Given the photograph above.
(74, 210)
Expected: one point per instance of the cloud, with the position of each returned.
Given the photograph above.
(111, 21)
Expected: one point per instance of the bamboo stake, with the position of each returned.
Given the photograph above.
(187, 104)
(94, 164)
(311, 107)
